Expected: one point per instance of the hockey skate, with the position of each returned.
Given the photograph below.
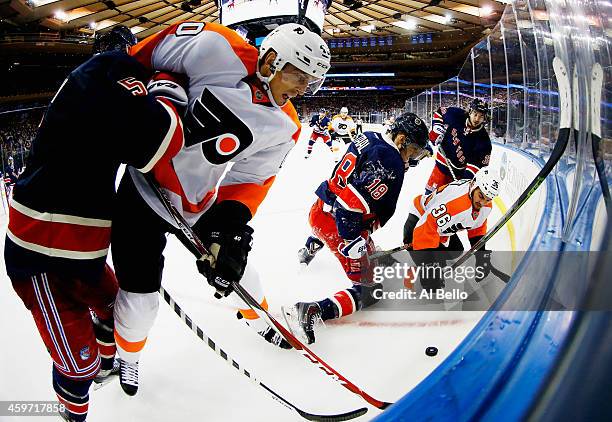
(106, 376)
(66, 416)
(308, 252)
(128, 377)
(272, 336)
(268, 333)
(302, 318)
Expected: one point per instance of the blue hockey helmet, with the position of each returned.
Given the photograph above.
(481, 106)
(413, 127)
(117, 39)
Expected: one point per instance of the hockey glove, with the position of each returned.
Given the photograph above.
(483, 264)
(353, 249)
(170, 87)
(229, 250)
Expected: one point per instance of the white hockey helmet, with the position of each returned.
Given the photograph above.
(487, 180)
(296, 44)
(344, 110)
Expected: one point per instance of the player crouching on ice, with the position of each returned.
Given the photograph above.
(434, 220)
(360, 196)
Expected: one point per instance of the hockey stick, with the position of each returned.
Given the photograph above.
(230, 361)
(377, 255)
(191, 238)
(555, 156)
(600, 166)
(382, 254)
(305, 351)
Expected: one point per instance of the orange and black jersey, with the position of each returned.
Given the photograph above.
(229, 120)
(444, 212)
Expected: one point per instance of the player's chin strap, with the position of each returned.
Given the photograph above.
(265, 80)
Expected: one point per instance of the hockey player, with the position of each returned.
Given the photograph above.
(120, 38)
(11, 174)
(238, 111)
(342, 126)
(320, 129)
(358, 125)
(434, 220)
(58, 239)
(463, 143)
(388, 123)
(360, 196)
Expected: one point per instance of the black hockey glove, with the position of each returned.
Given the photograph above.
(229, 249)
(483, 260)
(224, 232)
(483, 264)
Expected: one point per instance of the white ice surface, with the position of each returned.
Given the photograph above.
(181, 379)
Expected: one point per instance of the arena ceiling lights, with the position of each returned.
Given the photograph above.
(374, 17)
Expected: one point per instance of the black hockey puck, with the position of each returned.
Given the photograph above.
(431, 351)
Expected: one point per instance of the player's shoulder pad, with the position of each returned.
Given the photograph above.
(290, 111)
(385, 154)
(455, 113)
(114, 64)
(247, 53)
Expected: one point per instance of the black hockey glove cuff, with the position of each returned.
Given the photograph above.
(483, 260)
(483, 264)
(229, 250)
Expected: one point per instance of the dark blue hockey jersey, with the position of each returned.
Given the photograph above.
(459, 147)
(102, 116)
(320, 126)
(365, 185)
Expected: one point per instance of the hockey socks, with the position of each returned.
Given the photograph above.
(104, 331)
(73, 394)
(348, 301)
(310, 145)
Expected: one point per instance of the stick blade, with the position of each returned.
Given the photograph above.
(333, 418)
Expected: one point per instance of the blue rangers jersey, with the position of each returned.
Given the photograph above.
(320, 126)
(365, 185)
(101, 116)
(463, 149)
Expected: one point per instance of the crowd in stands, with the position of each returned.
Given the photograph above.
(17, 130)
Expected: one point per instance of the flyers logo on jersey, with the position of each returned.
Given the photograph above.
(220, 132)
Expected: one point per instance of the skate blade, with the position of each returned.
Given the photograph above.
(293, 325)
(107, 380)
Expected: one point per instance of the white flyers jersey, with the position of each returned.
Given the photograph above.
(342, 126)
(444, 212)
(229, 120)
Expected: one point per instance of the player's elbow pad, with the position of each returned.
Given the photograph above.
(165, 86)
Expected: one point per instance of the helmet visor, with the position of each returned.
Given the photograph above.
(305, 83)
(415, 151)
